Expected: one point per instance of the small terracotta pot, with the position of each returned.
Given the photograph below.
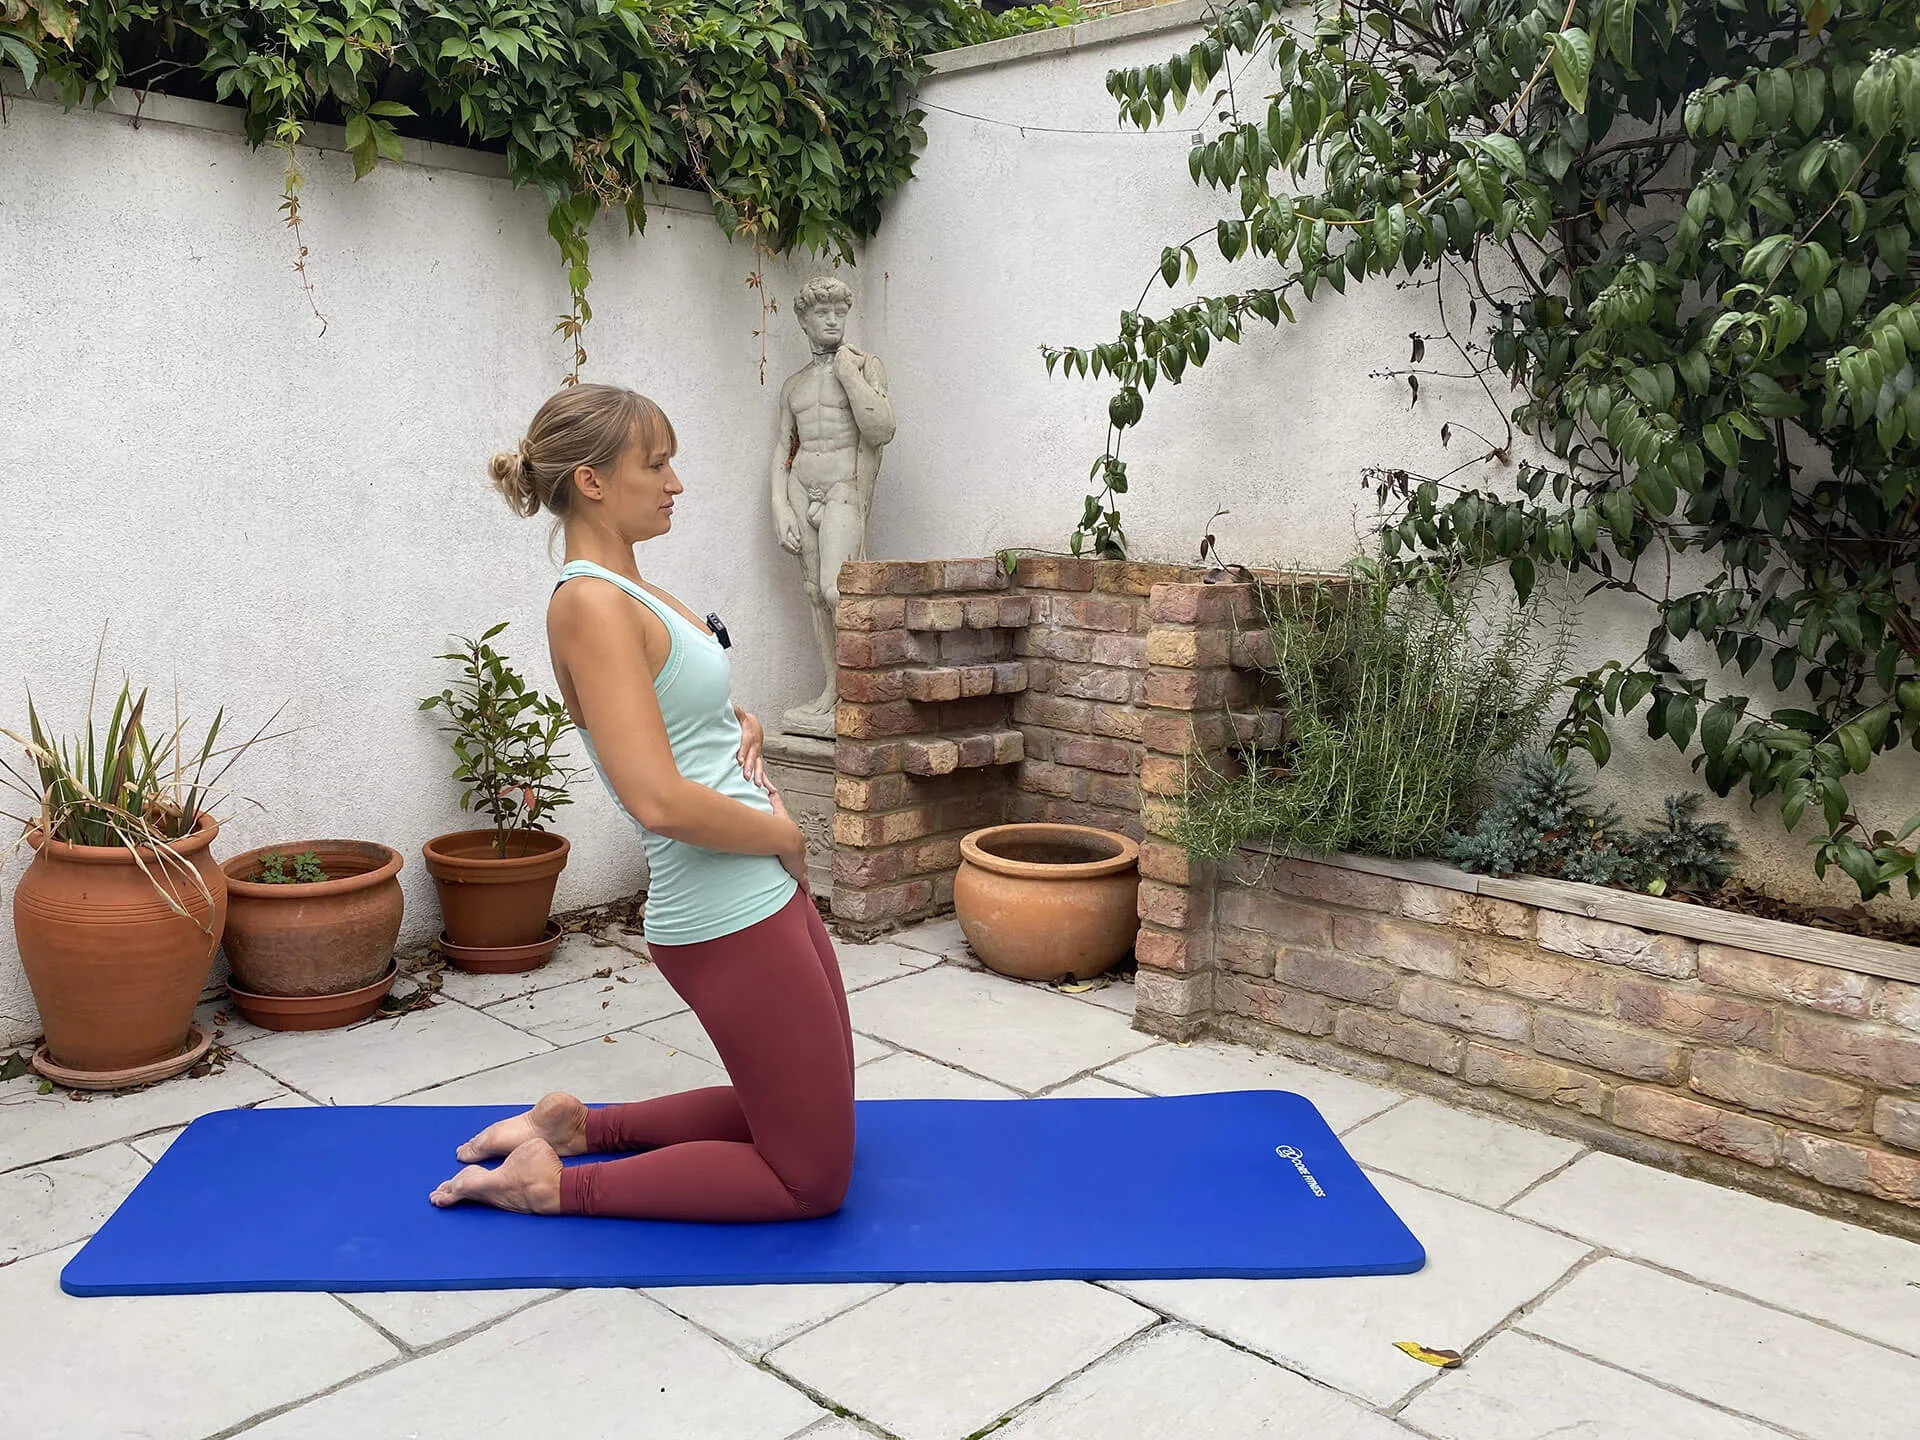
(114, 969)
(326, 938)
(501, 959)
(1048, 902)
(489, 902)
(314, 1012)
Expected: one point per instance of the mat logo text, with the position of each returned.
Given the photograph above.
(1287, 1152)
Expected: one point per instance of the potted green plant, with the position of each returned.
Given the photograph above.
(496, 885)
(121, 910)
(310, 932)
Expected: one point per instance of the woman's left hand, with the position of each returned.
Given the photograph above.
(753, 739)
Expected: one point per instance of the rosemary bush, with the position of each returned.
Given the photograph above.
(1400, 707)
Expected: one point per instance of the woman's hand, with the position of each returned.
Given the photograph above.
(794, 858)
(753, 739)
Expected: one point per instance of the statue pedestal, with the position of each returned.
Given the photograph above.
(801, 769)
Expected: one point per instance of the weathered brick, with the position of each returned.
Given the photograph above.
(975, 751)
(1409, 1040)
(1168, 863)
(1189, 689)
(932, 757)
(1534, 1079)
(943, 893)
(1120, 791)
(1252, 650)
(973, 812)
(981, 713)
(942, 613)
(931, 856)
(1180, 649)
(1337, 886)
(1844, 1047)
(865, 869)
(1009, 748)
(923, 685)
(1119, 722)
(879, 792)
(861, 757)
(1897, 1122)
(1606, 1046)
(1133, 577)
(1177, 997)
(1430, 952)
(871, 831)
(1247, 951)
(1157, 816)
(982, 574)
(1769, 977)
(890, 577)
(1697, 1014)
(1163, 775)
(1898, 1004)
(890, 902)
(1202, 604)
(1183, 734)
(1286, 921)
(969, 647)
(878, 722)
(1844, 1166)
(1050, 572)
(1275, 1005)
(1164, 905)
(1054, 712)
(1612, 944)
(1479, 913)
(1526, 972)
(1045, 778)
(871, 687)
(1168, 950)
(1015, 611)
(1089, 682)
(1113, 756)
(1459, 1008)
(1761, 1085)
(1335, 975)
(870, 614)
(980, 612)
(1124, 652)
(1089, 612)
(872, 649)
(1009, 677)
(1688, 1122)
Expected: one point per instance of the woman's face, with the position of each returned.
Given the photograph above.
(638, 492)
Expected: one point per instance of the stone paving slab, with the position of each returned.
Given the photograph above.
(937, 937)
(864, 965)
(941, 1362)
(576, 957)
(611, 1069)
(1734, 1353)
(1520, 1388)
(384, 1058)
(1473, 1156)
(592, 1364)
(57, 1202)
(1210, 1065)
(1092, 1087)
(684, 1032)
(1177, 1383)
(759, 1318)
(588, 1009)
(1848, 1276)
(1481, 1266)
(38, 1127)
(181, 1367)
(419, 1318)
(903, 1076)
(1019, 1036)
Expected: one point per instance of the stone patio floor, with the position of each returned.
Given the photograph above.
(1592, 1297)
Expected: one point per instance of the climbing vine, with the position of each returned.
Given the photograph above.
(1681, 234)
(794, 116)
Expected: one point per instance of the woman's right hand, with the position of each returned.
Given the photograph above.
(794, 857)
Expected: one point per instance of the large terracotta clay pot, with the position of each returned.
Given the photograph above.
(489, 902)
(323, 938)
(114, 970)
(1048, 902)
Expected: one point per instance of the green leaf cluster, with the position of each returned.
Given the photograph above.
(1684, 230)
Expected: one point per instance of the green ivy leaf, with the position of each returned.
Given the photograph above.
(1572, 64)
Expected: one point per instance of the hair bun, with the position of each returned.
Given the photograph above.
(509, 472)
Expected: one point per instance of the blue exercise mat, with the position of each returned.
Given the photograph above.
(1251, 1184)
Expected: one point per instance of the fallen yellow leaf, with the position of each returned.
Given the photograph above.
(1440, 1359)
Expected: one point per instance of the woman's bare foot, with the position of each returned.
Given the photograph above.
(527, 1182)
(558, 1119)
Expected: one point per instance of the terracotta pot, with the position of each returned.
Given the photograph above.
(501, 959)
(489, 902)
(115, 971)
(314, 1012)
(325, 938)
(1045, 902)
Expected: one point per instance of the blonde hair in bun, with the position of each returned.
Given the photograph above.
(581, 425)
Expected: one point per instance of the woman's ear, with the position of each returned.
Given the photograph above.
(587, 482)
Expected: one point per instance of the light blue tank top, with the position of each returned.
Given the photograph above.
(695, 894)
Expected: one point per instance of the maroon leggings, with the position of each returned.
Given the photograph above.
(777, 1144)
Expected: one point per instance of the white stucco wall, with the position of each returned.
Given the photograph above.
(268, 514)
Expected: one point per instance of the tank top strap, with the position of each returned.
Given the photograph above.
(669, 617)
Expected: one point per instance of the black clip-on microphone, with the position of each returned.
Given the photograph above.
(719, 631)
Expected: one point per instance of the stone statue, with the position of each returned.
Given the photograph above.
(835, 418)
